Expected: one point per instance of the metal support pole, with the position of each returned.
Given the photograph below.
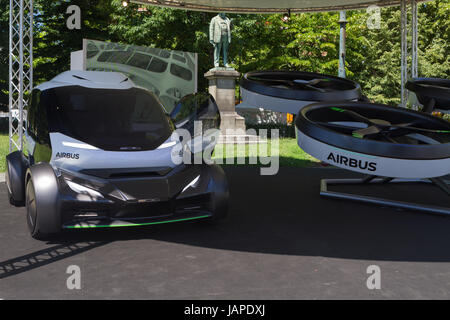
(414, 39)
(21, 84)
(404, 52)
(11, 61)
(20, 67)
(342, 36)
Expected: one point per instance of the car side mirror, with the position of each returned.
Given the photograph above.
(196, 113)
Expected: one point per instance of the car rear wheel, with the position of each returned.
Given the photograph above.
(16, 166)
(8, 189)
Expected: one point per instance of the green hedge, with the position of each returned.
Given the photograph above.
(285, 131)
(4, 125)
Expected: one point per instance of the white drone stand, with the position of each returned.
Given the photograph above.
(370, 179)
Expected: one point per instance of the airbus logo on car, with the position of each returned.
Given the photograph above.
(353, 163)
(67, 155)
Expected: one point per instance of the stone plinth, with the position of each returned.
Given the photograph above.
(222, 87)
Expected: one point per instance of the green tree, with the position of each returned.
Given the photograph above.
(307, 42)
(434, 39)
(4, 54)
(54, 41)
(379, 75)
(377, 65)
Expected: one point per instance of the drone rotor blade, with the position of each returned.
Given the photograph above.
(316, 81)
(297, 83)
(361, 133)
(354, 115)
(338, 126)
(273, 81)
(311, 84)
(408, 126)
(314, 88)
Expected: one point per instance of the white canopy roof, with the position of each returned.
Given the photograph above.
(268, 6)
(88, 79)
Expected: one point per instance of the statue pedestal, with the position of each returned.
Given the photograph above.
(222, 87)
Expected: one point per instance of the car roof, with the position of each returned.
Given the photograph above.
(89, 79)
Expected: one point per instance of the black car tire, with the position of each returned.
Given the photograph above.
(220, 193)
(32, 214)
(16, 166)
(41, 201)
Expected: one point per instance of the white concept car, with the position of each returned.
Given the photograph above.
(100, 154)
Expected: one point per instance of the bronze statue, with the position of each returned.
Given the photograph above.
(220, 37)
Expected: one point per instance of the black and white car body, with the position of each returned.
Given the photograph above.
(100, 154)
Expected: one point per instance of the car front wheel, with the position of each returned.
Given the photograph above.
(33, 213)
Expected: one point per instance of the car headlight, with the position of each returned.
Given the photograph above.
(78, 188)
(192, 184)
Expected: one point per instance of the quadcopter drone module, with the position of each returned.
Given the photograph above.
(376, 139)
(289, 91)
(432, 93)
(337, 125)
(388, 144)
(100, 155)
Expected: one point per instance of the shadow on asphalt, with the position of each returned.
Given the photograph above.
(284, 215)
(46, 256)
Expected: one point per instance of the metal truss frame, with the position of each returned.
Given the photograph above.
(20, 67)
(406, 72)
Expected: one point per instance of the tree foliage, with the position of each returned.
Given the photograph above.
(54, 41)
(4, 60)
(307, 42)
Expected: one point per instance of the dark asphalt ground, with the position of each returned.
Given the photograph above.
(280, 241)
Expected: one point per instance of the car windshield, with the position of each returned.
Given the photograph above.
(114, 120)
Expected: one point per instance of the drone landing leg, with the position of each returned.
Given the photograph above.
(441, 183)
(368, 180)
(430, 106)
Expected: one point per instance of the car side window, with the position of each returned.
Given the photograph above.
(39, 124)
(31, 113)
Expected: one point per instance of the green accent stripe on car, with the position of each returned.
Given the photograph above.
(337, 109)
(133, 224)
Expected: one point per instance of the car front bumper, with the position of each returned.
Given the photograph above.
(179, 194)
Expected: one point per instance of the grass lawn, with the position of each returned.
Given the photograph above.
(290, 154)
(4, 150)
